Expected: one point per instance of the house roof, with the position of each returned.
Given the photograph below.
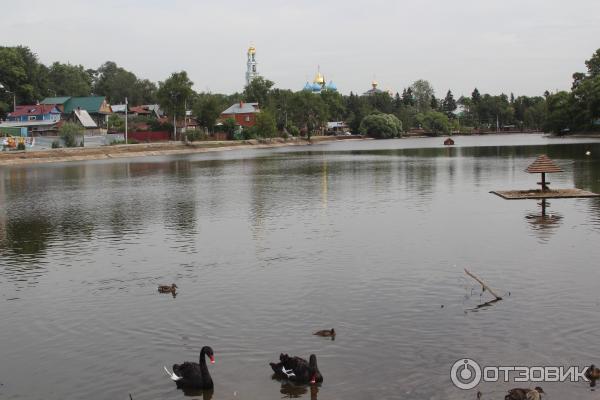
(84, 118)
(140, 110)
(543, 164)
(242, 108)
(91, 104)
(118, 108)
(36, 109)
(55, 100)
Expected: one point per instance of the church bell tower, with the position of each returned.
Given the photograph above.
(251, 71)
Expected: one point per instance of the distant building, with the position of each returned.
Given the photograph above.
(251, 72)
(337, 128)
(96, 106)
(374, 90)
(244, 114)
(34, 120)
(37, 112)
(319, 84)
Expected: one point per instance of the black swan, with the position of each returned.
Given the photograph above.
(167, 288)
(191, 375)
(326, 333)
(297, 370)
(524, 394)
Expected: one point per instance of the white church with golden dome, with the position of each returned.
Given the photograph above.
(251, 71)
(319, 84)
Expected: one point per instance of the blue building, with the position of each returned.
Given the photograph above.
(37, 112)
(319, 84)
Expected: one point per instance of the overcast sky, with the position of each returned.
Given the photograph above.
(520, 46)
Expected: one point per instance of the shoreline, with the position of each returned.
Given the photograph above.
(152, 149)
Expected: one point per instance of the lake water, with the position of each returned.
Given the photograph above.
(267, 246)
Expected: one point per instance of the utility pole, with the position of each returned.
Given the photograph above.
(126, 107)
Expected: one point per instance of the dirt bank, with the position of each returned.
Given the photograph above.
(149, 149)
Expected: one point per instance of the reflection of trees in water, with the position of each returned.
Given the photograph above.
(180, 201)
(29, 234)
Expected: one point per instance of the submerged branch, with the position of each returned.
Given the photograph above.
(483, 285)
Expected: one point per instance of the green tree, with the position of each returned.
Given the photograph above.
(558, 112)
(449, 104)
(434, 122)
(381, 126)
(308, 111)
(23, 78)
(69, 132)
(229, 127)
(117, 83)
(116, 123)
(423, 93)
(174, 92)
(258, 90)
(207, 109)
(265, 124)
(69, 80)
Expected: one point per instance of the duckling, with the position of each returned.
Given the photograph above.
(326, 333)
(167, 288)
(525, 394)
(592, 373)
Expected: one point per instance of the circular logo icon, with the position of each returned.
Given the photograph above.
(465, 374)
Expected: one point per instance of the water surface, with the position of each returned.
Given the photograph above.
(266, 246)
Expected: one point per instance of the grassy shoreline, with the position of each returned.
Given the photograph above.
(148, 150)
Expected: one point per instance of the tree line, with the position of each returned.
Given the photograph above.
(379, 114)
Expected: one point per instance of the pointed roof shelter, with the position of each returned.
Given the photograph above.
(543, 165)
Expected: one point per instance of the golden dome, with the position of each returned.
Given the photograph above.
(319, 78)
(374, 83)
(251, 50)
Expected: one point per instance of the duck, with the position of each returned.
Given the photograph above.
(191, 375)
(592, 373)
(297, 369)
(167, 288)
(525, 394)
(326, 333)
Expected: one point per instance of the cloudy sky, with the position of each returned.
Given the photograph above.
(520, 46)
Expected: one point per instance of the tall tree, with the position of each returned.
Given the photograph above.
(423, 93)
(258, 90)
(174, 92)
(69, 80)
(116, 84)
(22, 77)
(449, 104)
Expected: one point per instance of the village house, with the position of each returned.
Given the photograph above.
(96, 106)
(244, 114)
(34, 120)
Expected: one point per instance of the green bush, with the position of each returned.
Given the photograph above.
(293, 130)
(434, 122)
(196, 135)
(381, 126)
(21, 146)
(69, 132)
(55, 144)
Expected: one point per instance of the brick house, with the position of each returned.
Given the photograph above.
(244, 114)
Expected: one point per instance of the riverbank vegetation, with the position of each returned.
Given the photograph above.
(285, 112)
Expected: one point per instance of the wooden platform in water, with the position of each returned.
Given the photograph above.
(549, 194)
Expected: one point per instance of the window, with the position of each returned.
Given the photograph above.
(247, 118)
(32, 118)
